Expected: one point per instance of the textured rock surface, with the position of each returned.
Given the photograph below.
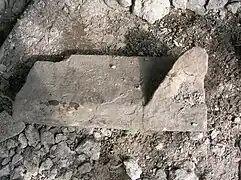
(132, 169)
(179, 102)
(9, 127)
(87, 91)
(216, 4)
(180, 3)
(82, 98)
(196, 6)
(151, 10)
(125, 3)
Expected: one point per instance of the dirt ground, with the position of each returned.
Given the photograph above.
(215, 153)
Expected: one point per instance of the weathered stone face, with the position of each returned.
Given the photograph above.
(104, 91)
(98, 91)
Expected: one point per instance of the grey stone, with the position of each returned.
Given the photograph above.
(125, 3)
(46, 165)
(181, 174)
(23, 140)
(32, 135)
(2, 6)
(88, 103)
(65, 176)
(9, 127)
(6, 161)
(47, 137)
(62, 151)
(52, 175)
(189, 166)
(90, 148)
(179, 101)
(60, 137)
(180, 3)
(31, 162)
(84, 168)
(216, 4)
(57, 97)
(151, 10)
(133, 170)
(161, 175)
(16, 158)
(196, 6)
(18, 172)
(5, 171)
(3, 150)
(234, 7)
(11, 144)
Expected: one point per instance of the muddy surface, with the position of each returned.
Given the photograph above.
(215, 153)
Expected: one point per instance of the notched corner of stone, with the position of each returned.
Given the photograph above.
(9, 126)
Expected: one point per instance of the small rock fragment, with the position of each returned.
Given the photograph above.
(31, 162)
(65, 176)
(125, 3)
(81, 158)
(62, 151)
(214, 134)
(84, 168)
(18, 172)
(180, 4)
(5, 171)
(23, 140)
(181, 174)
(90, 148)
(9, 127)
(32, 135)
(237, 120)
(189, 166)
(159, 146)
(216, 4)
(60, 137)
(47, 164)
(11, 144)
(71, 129)
(17, 158)
(132, 169)
(151, 10)
(3, 151)
(234, 7)
(196, 136)
(197, 6)
(47, 138)
(6, 161)
(161, 175)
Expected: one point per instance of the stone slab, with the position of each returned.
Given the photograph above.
(9, 127)
(179, 102)
(103, 91)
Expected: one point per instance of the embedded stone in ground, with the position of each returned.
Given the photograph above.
(151, 10)
(9, 127)
(103, 91)
(179, 102)
(88, 91)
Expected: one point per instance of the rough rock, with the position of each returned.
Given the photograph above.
(6, 161)
(161, 175)
(3, 150)
(216, 4)
(84, 168)
(46, 165)
(57, 97)
(47, 138)
(133, 170)
(125, 3)
(180, 3)
(234, 7)
(32, 135)
(196, 6)
(60, 137)
(151, 10)
(62, 151)
(9, 127)
(23, 140)
(181, 174)
(90, 148)
(11, 144)
(31, 162)
(65, 176)
(16, 158)
(179, 101)
(18, 172)
(5, 171)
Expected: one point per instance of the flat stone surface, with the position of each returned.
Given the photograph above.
(89, 91)
(9, 127)
(216, 4)
(103, 91)
(151, 10)
(179, 102)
